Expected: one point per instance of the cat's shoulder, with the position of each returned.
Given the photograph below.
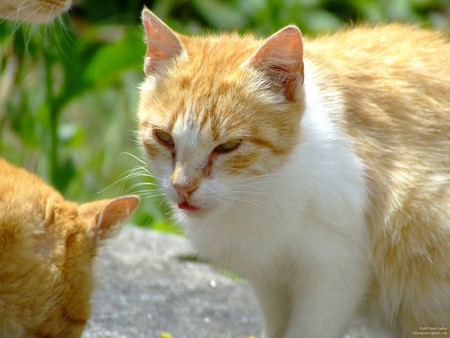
(20, 181)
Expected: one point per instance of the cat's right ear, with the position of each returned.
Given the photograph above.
(114, 213)
(107, 215)
(163, 44)
(280, 58)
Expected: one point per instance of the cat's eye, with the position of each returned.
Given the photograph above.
(228, 146)
(164, 137)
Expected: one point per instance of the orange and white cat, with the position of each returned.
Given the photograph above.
(317, 169)
(47, 248)
(33, 11)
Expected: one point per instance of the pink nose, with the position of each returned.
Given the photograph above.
(185, 190)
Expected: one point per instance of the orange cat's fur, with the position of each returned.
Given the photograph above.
(33, 11)
(318, 169)
(47, 247)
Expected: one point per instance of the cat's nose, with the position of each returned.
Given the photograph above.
(185, 190)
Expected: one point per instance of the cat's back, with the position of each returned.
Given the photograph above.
(386, 61)
(394, 82)
(387, 45)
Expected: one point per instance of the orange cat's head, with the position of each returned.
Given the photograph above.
(47, 248)
(85, 228)
(215, 110)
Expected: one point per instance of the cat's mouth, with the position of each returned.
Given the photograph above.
(186, 206)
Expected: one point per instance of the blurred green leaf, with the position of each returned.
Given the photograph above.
(220, 14)
(319, 21)
(65, 174)
(71, 135)
(111, 60)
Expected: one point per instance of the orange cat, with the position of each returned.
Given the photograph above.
(47, 247)
(318, 169)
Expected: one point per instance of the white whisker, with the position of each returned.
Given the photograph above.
(237, 199)
(145, 195)
(134, 157)
(144, 184)
(130, 174)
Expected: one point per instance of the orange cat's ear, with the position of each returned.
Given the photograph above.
(281, 58)
(109, 214)
(162, 43)
(114, 214)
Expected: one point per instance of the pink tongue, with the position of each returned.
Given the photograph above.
(186, 206)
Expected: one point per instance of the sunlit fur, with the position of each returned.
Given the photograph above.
(337, 202)
(47, 247)
(33, 11)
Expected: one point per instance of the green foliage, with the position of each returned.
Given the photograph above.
(68, 91)
(312, 16)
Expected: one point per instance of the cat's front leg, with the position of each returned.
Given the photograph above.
(325, 300)
(273, 302)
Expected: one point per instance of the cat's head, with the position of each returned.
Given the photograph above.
(33, 11)
(74, 235)
(217, 111)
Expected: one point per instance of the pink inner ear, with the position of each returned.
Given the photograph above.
(162, 42)
(114, 214)
(281, 58)
(283, 49)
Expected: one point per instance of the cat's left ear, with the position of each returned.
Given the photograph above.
(108, 215)
(162, 43)
(281, 59)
